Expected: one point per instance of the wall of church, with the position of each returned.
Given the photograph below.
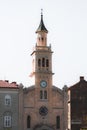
(55, 108)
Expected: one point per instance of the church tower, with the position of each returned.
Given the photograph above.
(42, 62)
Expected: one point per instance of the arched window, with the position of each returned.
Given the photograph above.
(42, 38)
(28, 121)
(39, 62)
(47, 63)
(8, 100)
(41, 94)
(58, 122)
(43, 62)
(45, 94)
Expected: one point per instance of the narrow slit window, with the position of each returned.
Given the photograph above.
(58, 122)
(28, 121)
(45, 94)
(39, 62)
(42, 38)
(47, 63)
(43, 62)
(41, 94)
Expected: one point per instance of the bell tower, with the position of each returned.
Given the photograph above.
(42, 62)
(43, 104)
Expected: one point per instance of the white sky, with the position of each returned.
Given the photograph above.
(66, 21)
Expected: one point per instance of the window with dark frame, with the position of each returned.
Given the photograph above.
(7, 121)
(8, 100)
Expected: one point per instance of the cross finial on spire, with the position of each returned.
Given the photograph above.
(41, 11)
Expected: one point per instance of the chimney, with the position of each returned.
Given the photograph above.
(13, 82)
(81, 78)
(7, 81)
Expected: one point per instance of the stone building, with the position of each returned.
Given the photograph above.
(77, 105)
(9, 111)
(43, 106)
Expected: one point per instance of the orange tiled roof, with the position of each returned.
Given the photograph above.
(6, 84)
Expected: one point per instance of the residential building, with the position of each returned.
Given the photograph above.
(9, 105)
(77, 105)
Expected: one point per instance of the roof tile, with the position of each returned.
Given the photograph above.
(6, 84)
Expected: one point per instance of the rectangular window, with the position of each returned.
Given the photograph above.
(7, 121)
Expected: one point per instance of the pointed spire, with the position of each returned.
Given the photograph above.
(41, 25)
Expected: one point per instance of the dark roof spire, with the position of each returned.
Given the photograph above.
(41, 25)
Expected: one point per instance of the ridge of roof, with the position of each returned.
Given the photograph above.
(57, 89)
(6, 84)
(78, 84)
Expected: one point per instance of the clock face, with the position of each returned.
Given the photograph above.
(43, 111)
(43, 83)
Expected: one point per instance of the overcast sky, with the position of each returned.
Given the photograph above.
(66, 21)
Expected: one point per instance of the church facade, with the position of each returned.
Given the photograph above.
(41, 106)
